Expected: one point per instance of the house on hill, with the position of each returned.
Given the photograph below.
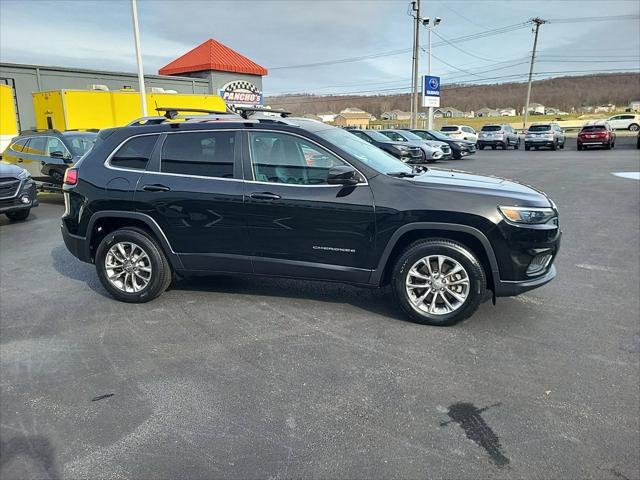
(507, 112)
(634, 106)
(487, 112)
(447, 112)
(350, 118)
(327, 116)
(395, 115)
(535, 109)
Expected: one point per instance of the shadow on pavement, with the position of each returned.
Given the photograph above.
(69, 266)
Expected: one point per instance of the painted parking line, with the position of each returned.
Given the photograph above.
(631, 175)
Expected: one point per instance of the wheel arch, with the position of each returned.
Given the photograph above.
(104, 222)
(469, 236)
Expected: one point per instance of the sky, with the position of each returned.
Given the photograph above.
(331, 46)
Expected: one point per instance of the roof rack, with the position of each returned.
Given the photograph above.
(246, 112)
(172, 112)
(35, 130)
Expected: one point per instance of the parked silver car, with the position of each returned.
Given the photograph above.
(548, 135)
(433, 150)
(494, 136)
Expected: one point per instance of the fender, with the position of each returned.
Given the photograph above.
(173, 258)
(376, 275)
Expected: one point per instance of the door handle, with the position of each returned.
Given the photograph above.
(264, 196)
(155, 188)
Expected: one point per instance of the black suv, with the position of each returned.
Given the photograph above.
(46, 154)
(292, 197)
(398, 149)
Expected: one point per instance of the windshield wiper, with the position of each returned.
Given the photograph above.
(403, 174)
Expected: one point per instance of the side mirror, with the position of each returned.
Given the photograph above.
(343, 175)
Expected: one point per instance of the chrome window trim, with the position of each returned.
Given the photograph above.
(253, 175)
(107, 162)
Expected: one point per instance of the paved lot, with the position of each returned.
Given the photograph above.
(248, 378)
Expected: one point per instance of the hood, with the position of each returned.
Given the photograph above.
(437, 143)
(423, 144)
(518, 193)
(9, 170)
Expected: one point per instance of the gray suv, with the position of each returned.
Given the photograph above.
(548, 135)
(494, 136)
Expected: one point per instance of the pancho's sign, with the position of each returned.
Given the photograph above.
(241, 93)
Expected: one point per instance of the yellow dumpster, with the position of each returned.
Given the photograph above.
(8, 119)
(95, 109)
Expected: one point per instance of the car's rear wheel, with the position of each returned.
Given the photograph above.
(18, 215)
(516, 146)
(580, 147)
(554, 146)
(481, 147)
(493, 147)
(438, 282)
(527, 147)
(608, 146)
(132, 266)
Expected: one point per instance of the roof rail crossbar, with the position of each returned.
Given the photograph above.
(246, 112)
(36, 130)
(146, 121)
(173, 112)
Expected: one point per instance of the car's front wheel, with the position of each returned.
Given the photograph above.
(132, 266)
(438, 282)
(18, 215)
(634, 127)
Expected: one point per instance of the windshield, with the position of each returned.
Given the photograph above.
(395, 136)
(377, 136)
(450, 128)
(411, 136)
(491, 128)
(80, 143)
(539, 128)
(367, 153)
(435, 135)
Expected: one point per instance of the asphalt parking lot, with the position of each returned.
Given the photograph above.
(259, 378)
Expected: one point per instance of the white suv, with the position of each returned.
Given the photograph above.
(625, 121)
(460, 132)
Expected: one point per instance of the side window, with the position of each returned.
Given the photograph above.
(135, 153)
(362, 136)
(205, 154)
(36, 146)
(282, 158)
(55, 145)
(19, 145)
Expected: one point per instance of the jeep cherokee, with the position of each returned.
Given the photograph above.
(292, 197)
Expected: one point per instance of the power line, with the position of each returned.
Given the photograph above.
(594, 19)
(451, 44)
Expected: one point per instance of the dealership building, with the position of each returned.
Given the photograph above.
(209, 68)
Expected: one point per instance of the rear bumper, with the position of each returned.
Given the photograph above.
(76, 244)
(504, 288)
(539, 143)
(490, 143)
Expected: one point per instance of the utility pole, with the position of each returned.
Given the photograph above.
(136, 37)
(415, 13)
(537, 22)
(430, 115)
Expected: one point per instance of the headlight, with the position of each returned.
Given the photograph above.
(461, 144)
(527, 215)
(23, 175)
(401, 148)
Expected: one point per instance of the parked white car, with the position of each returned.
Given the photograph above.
(625, 121)
(460, 132)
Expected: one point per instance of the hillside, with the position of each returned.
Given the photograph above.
(565, 93)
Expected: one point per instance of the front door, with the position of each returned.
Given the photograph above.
(194, 192)
(298, 224)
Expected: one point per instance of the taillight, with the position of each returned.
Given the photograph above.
(71, 176)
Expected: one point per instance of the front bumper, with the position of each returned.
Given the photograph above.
(506, 288)
(27, 189)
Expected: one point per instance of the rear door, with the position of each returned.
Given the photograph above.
(194, 192)
(33, 156)
(299, 225)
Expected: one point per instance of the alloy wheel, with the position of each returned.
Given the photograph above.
(437, 284)
(128, 267)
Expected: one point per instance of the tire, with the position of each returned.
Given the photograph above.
(554, 147)
(562, 145)
(608, 146)
(537, 148)
(613, 144)
(493, 147)
(527, 147)
(18, 215)
(580, 147)
(634, 127)
(456, 252)
(481, 147)
(516, 146)
(160, 274)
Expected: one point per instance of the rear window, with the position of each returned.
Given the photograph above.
(135, 153)
(594, 128)
(491, 128)
(539, 128)
(204, 154)
(450, 128)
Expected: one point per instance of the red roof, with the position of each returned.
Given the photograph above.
(212, 55)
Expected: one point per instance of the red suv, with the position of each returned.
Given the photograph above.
(596, 134)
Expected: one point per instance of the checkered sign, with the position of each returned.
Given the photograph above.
(241, 93)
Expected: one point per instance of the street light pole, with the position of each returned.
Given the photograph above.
(537, 21)
(430, 118)
(136, 36)
(415, 6)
